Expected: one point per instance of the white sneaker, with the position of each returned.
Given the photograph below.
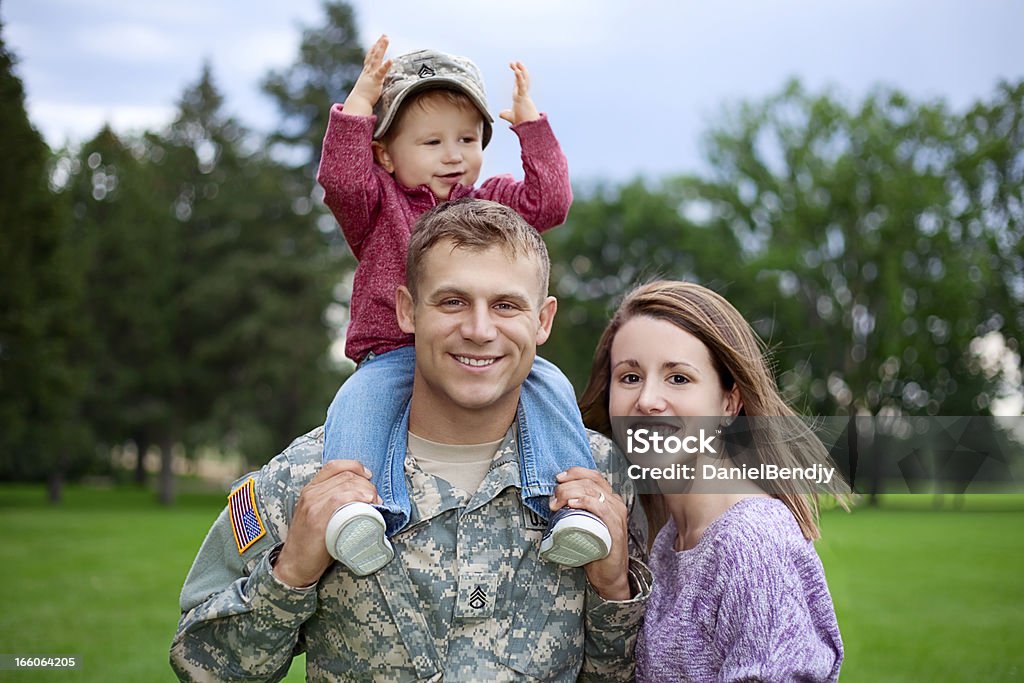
(355, 537)
(575, 538)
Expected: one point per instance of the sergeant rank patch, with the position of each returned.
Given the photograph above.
(245, 518)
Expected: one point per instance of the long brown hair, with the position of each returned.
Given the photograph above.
(740, 358)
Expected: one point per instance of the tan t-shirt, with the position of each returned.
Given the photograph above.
(462, 466)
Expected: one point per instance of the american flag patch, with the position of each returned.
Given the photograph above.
(245, 519)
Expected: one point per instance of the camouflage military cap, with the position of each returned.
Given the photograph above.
(428, 70)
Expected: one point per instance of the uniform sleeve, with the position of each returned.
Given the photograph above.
(544, 195)
(351, 182)
(612, 629)
(238, 622)
(611, 626)
(246, 632)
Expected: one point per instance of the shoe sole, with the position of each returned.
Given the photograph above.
(585, 541)
(356, 539)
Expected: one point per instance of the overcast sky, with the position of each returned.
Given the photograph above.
(629, 86)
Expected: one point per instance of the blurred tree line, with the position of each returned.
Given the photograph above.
(876, 248)
(177, 289)
(181, 288)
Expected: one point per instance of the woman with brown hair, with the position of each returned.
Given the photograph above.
(739, 592)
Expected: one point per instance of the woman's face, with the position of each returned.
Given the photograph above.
(660, 370)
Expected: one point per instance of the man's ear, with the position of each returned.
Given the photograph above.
(404, 309)
(547, 317)
(380, 154)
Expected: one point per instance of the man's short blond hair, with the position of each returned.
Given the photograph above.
(475, 225)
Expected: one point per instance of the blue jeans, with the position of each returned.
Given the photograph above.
(368, 421)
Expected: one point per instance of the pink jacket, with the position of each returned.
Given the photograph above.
(376, 215)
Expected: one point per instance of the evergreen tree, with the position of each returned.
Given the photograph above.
(41, 433)
(254, 284)
(330, 60)
(128, 249)
(206, 283)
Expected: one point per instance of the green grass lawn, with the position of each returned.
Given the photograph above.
(929, 595)
(97, 577)
(921, 594)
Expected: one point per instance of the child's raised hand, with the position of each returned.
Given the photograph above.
(366, 91)
(523, 108)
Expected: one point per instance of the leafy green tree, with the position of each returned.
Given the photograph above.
(41, 433)
(614, 238)
(872, 246)
(880, 242)
(988, 182)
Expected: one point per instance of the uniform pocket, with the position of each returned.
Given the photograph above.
(546, 637)
(355, 627)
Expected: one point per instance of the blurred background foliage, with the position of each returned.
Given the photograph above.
(183, 289)
(875, 247)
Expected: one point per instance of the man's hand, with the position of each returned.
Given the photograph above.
(304, 557)
(366, 91)
(585, 489)
(523, 108)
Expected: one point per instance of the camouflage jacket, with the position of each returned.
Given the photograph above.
(466, 598)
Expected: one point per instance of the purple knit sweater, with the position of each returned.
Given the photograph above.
(749, 602)
(376, 215)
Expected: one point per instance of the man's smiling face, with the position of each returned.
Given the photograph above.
(478, 319)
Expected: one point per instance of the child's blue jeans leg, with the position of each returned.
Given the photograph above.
(551, 433)
(361, 418)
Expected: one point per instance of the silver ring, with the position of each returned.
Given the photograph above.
(601, 497)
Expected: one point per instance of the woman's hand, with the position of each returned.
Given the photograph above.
(584, 489)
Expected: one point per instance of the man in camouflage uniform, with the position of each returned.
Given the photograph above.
(466, 598)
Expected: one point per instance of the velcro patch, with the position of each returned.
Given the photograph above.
(477, 591)
(533, 521)
(245, 518)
